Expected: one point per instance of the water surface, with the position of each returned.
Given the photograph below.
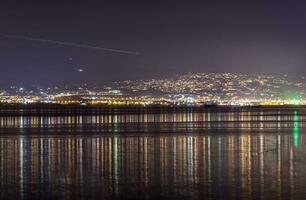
(247, 155)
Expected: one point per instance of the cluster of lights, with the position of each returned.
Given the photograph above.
(190, 89)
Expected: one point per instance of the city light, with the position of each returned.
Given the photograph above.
(193, 89)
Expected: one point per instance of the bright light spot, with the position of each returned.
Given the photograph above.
(296, 129)
(296, 101)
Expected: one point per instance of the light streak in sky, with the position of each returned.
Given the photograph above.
(71, 44)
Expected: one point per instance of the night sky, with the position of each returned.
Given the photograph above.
(266, 37)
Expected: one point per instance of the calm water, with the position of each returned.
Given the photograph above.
(240, 155)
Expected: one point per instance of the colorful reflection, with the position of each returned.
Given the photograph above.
(230, 166)
(296, 130)
(247, 119)
(251, 120)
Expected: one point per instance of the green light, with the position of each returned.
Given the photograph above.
(292, 97)
(116, 165)
(296, 117)
(296, 101)
(296, 129)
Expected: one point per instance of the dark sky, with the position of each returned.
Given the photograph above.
(212, 36)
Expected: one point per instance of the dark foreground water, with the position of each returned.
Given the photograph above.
(221, 155)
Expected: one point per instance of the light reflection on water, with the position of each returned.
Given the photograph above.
(242, 160)
(172, 117)
(195, 166)
(162, 122)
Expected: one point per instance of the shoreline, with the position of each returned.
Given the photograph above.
(76, 109)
